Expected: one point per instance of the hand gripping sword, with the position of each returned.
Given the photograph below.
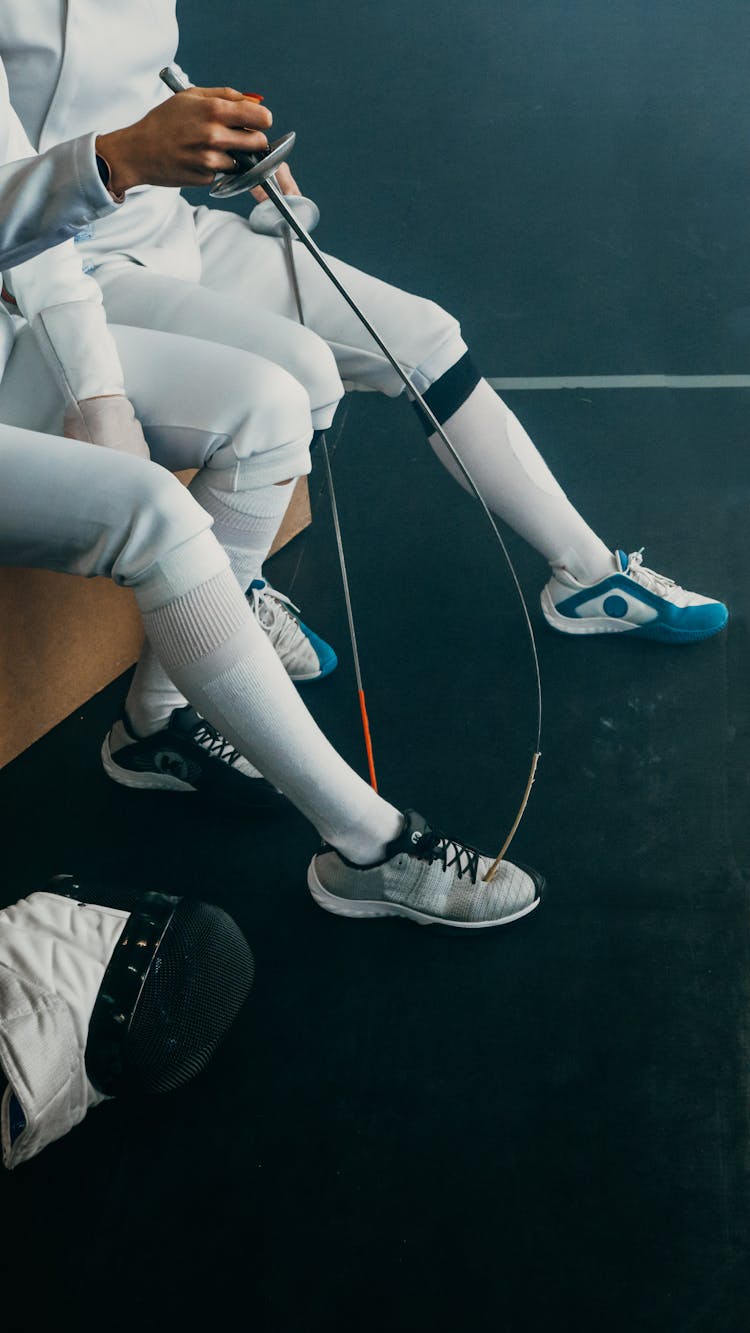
(258, 169)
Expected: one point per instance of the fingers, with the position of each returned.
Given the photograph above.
(226, 94)
(187, 139)
(214, 162)
(227, 127)
(285, 180)
(239, 141)
(242, 114)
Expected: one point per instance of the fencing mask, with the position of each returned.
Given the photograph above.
(99, 1001)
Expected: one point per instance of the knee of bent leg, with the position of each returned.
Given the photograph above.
(313, 364)
(273, 414)
(158, 515)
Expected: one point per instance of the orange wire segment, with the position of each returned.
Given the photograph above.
(253, 97)
(368, 742)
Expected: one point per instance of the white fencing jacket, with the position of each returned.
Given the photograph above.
(78, 65)
(43, 202)
(53, 956)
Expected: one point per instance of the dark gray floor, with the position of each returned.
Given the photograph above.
(546, 1128)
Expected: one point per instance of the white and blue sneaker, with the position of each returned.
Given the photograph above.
(304, 654)
(631, 599)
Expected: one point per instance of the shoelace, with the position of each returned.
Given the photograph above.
(270, 610)
(435, 847)
(658, 583)
(216, 745)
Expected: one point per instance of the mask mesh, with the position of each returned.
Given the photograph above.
(197, 983)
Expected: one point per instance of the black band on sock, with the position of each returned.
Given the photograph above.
(450, 392)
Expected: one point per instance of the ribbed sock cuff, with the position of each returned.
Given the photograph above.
(197, 623)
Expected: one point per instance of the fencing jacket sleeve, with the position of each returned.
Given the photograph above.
(76, 64)
(43, 202)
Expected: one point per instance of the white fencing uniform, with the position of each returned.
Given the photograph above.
(69, 505)
(246, 420)
(84, 63)
(55, 279)
(164, 265)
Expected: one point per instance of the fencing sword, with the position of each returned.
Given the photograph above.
(280, 228)
(258, 169)
(271, 223)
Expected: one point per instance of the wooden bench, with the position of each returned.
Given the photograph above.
(64, 638)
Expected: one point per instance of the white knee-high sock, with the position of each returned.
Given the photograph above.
(211, 645)
(517, 484)
(245, 522)
(152, 696)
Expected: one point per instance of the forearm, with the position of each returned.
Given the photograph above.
(48, 199)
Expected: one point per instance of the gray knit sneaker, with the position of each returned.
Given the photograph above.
(426, 878)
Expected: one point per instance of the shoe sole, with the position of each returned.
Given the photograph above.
(363, 908)
(315, 675)
(606, 625)
(267, 804)
(140, 781)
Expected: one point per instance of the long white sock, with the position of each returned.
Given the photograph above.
(214, 649)
(245, 522)
(152, 695)
(518, 486)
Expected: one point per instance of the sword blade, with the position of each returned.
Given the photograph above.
(275, 194)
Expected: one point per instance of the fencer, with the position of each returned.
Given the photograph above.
(128, 518)
(99, 999)
(248, 434)
(117, 994)
(168, 266)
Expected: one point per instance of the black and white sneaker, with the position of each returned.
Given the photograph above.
(426, 878)
(186, 755)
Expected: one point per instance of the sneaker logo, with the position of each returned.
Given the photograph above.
(416, 836)
(175, 766)
(615, 606)
(632, 604)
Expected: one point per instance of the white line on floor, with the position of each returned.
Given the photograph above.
(626, 382)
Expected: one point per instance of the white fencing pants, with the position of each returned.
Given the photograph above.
(238, 415)
(244, 422)
(72, 506)
(245, 299)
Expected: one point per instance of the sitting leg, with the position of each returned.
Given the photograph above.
(131, 519)
(593, 588)
(245, 424)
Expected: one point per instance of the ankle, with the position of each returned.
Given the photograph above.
(587, 568)
(365, 847)
(142, 722)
